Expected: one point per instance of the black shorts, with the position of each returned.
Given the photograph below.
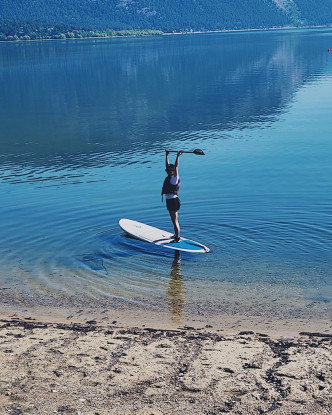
(173, 205)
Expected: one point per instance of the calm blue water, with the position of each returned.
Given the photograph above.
(83, 128)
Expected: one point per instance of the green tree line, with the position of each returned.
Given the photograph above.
(19, 30)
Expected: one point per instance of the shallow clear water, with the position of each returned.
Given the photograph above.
(83, 128)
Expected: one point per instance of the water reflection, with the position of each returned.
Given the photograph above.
(176, 290)
(68, 104)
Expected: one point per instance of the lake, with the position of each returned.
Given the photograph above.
(84, 125)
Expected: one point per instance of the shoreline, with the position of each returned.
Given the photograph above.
(176, 33)
(114, 369)
(172, 311)
(225, 323)
(250, 30)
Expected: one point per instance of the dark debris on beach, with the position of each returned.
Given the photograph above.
(89, 368)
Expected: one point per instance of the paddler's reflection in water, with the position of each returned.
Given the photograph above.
(176, 290)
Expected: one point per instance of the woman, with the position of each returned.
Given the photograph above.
(171, 191)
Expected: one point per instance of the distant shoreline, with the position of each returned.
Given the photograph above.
(250, 30)
(175, 33)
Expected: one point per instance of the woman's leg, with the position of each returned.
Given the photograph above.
(175, 221)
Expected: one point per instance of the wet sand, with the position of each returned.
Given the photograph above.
(95, 368)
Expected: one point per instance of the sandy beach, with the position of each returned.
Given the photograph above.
(95, 369)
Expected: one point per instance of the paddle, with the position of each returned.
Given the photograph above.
(196, 151)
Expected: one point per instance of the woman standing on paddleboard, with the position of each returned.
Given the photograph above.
(171, 191)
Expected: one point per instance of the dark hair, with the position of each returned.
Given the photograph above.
(170, 167)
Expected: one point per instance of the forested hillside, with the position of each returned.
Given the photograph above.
(307, 12)
(315, 12)
(26, 19)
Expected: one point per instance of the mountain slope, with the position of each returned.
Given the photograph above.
(166, 15)
(22, 17)
(307, 12)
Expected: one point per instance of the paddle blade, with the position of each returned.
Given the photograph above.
(199, 152)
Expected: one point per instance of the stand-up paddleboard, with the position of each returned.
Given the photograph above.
(159, 237)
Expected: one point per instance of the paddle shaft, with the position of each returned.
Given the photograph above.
(196, 151)
(175, 151)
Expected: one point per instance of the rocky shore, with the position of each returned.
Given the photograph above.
(90, 369)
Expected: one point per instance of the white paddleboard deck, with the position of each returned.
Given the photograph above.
(159, 237)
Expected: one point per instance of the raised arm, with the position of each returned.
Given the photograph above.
(177, 162)
(166, 159)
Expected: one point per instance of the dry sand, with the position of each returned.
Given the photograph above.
(90, 369)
